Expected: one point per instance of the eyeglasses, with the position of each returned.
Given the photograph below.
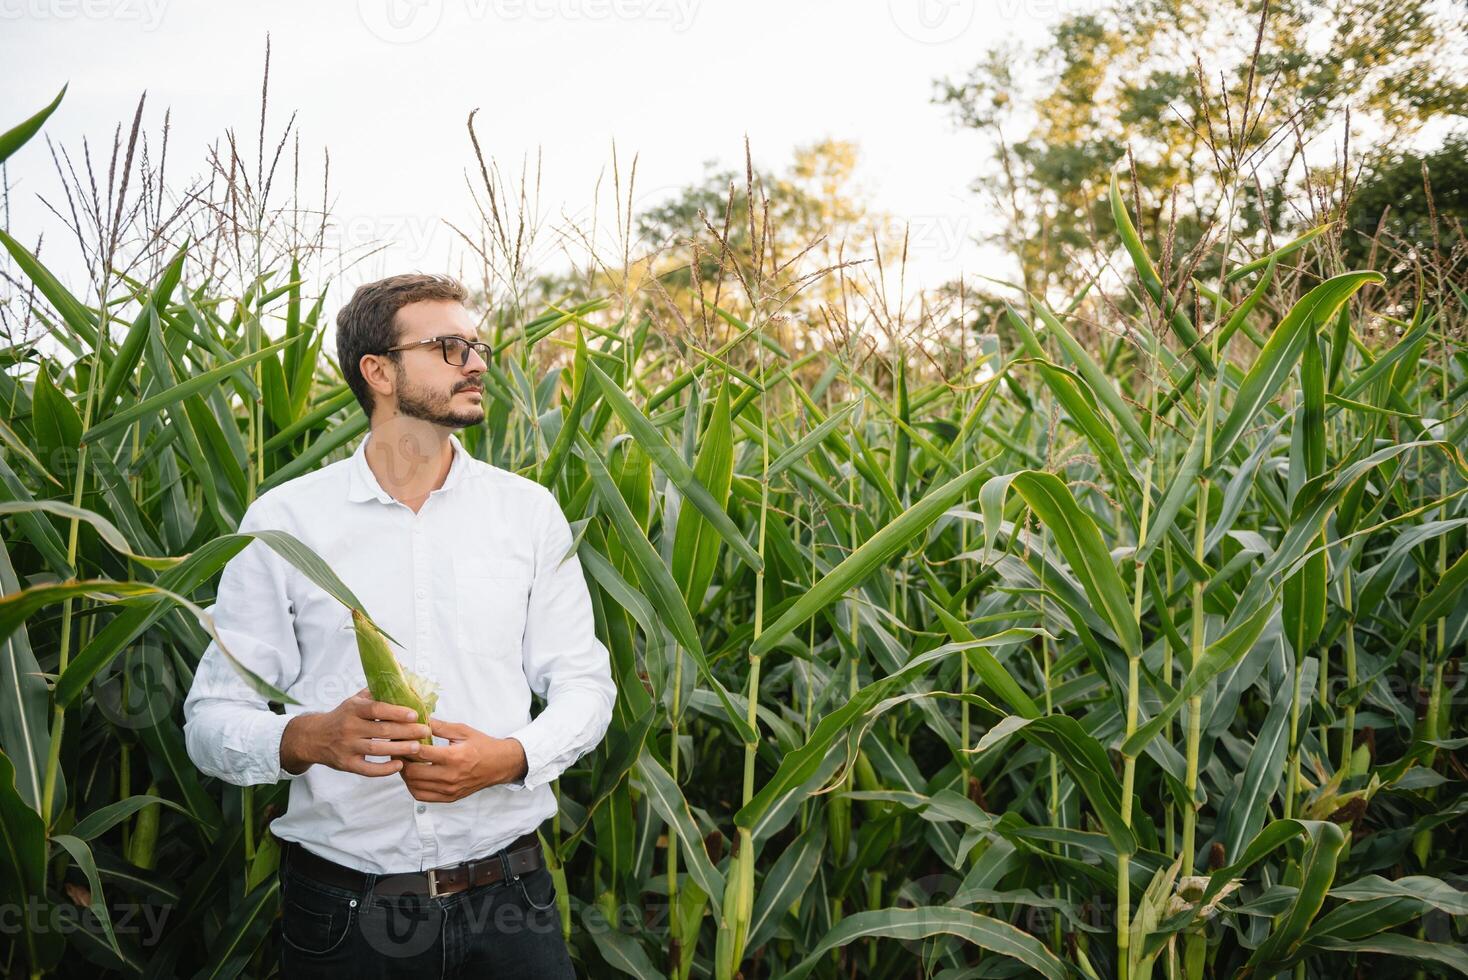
(457, 345)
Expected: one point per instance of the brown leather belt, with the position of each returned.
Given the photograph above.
(520, 857)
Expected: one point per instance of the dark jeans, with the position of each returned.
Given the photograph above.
(505, 930)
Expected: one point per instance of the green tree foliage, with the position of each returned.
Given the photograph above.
(1129, 77)
(807, 219)
(1391, 222)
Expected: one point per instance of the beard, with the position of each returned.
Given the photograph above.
(419, 402)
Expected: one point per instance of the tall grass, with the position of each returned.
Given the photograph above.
(1131, 649)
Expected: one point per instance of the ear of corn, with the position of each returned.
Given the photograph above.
(386, 678)
(142, 846)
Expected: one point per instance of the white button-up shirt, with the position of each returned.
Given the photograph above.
(478, 588)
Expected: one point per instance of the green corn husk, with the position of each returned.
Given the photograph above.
(386, 678)
(142, 847)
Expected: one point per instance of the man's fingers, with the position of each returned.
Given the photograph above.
(426, 777)
(429, 785)
(436, 753)
(425, 795)
(367, 708)
(369, 746)
(390, 729)
(450, 729)
(364, 768)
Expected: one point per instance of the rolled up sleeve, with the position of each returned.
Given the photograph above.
(564, 661)
(230, 731)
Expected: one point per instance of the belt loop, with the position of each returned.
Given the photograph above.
(505, 865)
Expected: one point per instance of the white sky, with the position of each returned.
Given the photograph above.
(387, 85)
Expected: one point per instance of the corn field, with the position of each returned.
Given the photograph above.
(1121, 638)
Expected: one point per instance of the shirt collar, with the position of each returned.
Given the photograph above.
(363, 485)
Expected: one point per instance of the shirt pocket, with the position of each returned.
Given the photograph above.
(493, 597)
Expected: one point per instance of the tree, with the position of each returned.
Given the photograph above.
(817, 215)
(1131, 77)
(1391, 221)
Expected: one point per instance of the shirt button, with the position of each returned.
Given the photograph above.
(421, 593)
(422, 808)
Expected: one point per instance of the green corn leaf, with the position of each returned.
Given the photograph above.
(989, 670)
(993, 935)
(81, 853)
(1152, 282)
(1077, 537)
(81, 320)
(1103, 387)
(1408, 947)
(55, 423)
(655, 577)
(670, 805)
(242, 931)
(1085, 760)
(866, 559)
(808, 442)
(98, 822)
(799, 766)
(1283, 349)
(148, 320)
(17, 136)
(1220, 655)
(177, 393)
(672, 464)
(696, 540)
(1317, 875)
(1249, 268)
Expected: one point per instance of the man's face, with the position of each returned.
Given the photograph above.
(427, 387)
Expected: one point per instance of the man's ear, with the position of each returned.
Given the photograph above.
(377, 375)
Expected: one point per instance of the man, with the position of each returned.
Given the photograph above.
(398, 858)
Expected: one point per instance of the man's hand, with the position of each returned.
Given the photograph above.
(342, 737)
(470, 762)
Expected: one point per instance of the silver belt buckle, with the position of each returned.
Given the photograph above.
(432, 882)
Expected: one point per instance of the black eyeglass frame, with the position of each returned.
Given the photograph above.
(485, 351)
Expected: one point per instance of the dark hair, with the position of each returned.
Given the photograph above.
(367, 324)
